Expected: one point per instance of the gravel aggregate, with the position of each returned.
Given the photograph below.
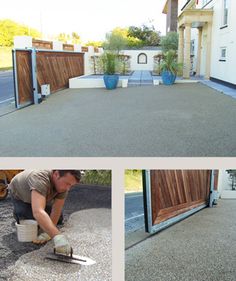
(89, 232)
(82, 197)
(199, 248)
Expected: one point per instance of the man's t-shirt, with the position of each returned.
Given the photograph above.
(40, 180)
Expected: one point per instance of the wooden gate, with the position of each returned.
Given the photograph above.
(33, 68)
(171, 195)
(22, 64)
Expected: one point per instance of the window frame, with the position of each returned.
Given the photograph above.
(146, 58)
(225, 16)
(223, 58)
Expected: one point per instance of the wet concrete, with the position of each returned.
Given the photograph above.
(81, 197)
(89, 232)
(199, 248)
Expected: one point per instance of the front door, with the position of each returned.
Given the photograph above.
(171, 195)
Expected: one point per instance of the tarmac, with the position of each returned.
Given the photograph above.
(89, 232)
(183, 120)
(199, 248)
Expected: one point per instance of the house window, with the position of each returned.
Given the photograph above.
(225, 12)
(205, 2)
(142, 58)
(192, 47)
(223, 54)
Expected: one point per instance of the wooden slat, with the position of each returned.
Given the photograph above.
(42, 44)
(176, 191)
(56, 68)
(171, 212)
(68, 47)
(84, 49)
(24, 76)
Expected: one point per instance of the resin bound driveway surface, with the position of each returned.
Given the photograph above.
(180, 120)
(199, 248)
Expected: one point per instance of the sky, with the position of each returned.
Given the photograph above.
(91, 19)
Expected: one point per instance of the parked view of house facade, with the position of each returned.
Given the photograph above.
(207, 36)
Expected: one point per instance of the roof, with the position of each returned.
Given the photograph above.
(165, 9)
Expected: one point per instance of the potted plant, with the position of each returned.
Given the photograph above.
(110, 77)
(169, 67)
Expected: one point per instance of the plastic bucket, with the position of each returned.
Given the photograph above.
(27, 230)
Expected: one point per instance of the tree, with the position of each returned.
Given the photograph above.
(9, 29)
(94, 43)
(115, 40)
(170, 42)
(63, 37)
(75, 38)
(147, 35)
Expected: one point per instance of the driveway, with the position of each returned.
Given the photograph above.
(182, 120)
(199, 248)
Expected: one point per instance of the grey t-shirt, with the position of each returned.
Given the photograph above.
(40, 180)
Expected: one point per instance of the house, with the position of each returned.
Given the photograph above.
(171, 11)
(207, 30)
(227, 185)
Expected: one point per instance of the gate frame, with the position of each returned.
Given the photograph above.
(15, 77)
(147, 202)
(35, 93)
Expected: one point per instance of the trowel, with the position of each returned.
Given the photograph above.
(70, 258)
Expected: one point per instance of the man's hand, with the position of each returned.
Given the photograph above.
(42, 238)
(62, 245)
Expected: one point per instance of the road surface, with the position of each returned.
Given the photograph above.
(134, 213)
(6, 87)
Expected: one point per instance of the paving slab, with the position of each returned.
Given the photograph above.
(199, 248)
(183, 120)
(89, 232)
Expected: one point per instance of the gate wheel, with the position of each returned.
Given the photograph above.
(3, 191)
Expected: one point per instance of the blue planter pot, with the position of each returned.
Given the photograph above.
(168, 77)
(111, 81)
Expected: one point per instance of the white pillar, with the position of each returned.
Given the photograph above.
(57, 46)
(181, 45)
(22, 42)
(77, 47)
(199, 51)
(88, 69)
(208, 51)
(187, 63)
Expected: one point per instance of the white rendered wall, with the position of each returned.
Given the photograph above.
(224, 186)
(57, 46)
(87, 61)
(134, 65)
(225, 37)
(22, 42)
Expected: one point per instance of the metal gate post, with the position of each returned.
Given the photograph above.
(147, 202)
(211, 201)
(34, 76)
(15, 79)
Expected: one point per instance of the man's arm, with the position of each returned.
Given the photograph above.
(38, 203)
(57, 210)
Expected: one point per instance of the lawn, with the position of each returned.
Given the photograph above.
(5, 58)
(133, 181)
